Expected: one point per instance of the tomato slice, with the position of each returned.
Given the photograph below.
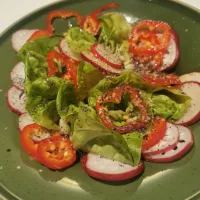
(51, 58)
(145, 40)
(161, 79)
(38, 34)
(56, 152)
(115, 96)
(61, 14)
(156, 133)
(26, 138)
(91, 23)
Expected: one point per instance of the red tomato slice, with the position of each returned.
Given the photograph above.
(28, 144)
(156, 133)
(159, 79)
(38, 34)
(56, 152)
(115, 96)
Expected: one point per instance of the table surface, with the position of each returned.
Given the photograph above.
(10, 14)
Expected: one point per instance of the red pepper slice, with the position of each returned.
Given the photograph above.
(71, 66)
(156, 133)
(91, 23)
(51, 58)
(38, 34)
(161, 79)
(115, 96)
(56, 152)
(61, 14)
(27, 142)
(145, 40)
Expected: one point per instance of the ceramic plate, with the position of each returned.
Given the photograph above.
(23, 178)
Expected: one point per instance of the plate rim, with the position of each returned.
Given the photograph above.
(6, 193)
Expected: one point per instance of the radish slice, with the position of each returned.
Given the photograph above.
(192, 114)
(104, 54)
(24, 120)
(16, 100)
(65, 49)
(63, 127)
(20, 37)
(168, 142)
(18, 76)
(172, 54)
(89, 57)
(109, 170)
(40, 135)
(185, 143)
(194, 76)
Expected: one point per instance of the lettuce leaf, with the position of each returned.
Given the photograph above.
(88, 76)
(134, 142)
(65, 97)
(113, 29)
(79, 40)
(90, 135)
(39, 47)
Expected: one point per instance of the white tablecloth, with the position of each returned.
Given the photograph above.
(12, 10)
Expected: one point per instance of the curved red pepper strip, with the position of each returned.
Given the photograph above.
(152, 46)
(38, 34)
(91, 23)
(51, 57)
(61, 14)
(161, 79)
(115, 96)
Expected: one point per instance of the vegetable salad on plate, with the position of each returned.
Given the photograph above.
(100, 92)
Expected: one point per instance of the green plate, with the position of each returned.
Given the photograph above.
(23, 178)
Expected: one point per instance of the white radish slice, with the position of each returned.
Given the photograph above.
(194, 76)
(105, 54)
(99, 64)
(192, 114)
(65, 49)
(16, 100)
(20, 37)
(24, 120)
(185, 143)
(168, 142)
(17, 76)
(172, 54)
(63, 126)
(109, 170)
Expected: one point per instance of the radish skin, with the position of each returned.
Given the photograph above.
(185, 143)
(17, 75)
(16, 100)
(109, 170)
(192, 114)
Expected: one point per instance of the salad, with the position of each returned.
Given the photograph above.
(100, 93)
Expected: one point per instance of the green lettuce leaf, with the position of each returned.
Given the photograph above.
(88, 76)
(43, 111)
(65, 97)
(113, 29)
(90, 135)
(134, 142)
(79, 40)
(40, 47)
